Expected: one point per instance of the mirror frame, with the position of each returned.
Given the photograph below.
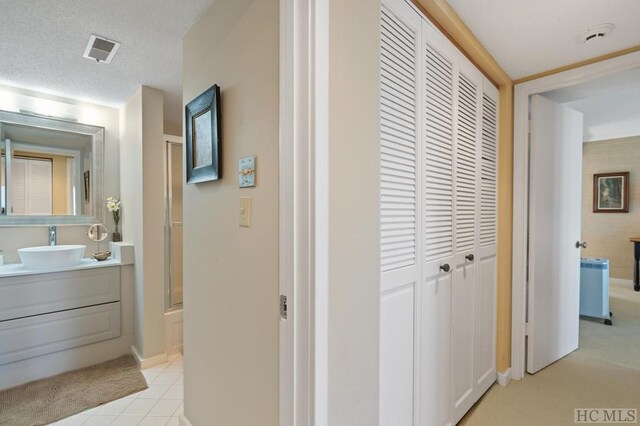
(97, 163)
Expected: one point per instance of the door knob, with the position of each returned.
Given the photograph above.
(470, 257)
(445, 267)
(579, 244)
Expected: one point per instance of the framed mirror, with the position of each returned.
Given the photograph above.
(51, 171)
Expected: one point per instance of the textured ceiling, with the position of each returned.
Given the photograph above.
(528, 37)
(42, 41)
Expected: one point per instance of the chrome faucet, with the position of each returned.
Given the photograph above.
(53, 231)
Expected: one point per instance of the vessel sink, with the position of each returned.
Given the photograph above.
(51, 257)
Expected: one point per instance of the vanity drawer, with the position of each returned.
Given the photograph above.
(29, 337)
(28, 295)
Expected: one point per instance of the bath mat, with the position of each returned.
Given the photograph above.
(47, 400)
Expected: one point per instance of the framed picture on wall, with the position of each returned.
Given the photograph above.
(611, 192)
(203, 137)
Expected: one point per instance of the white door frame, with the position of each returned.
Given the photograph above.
(303, 186)
(522, 93)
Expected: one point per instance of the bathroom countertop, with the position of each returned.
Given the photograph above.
(17, 269)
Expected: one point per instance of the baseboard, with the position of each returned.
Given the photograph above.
(183, 421)
(175, 352)
(148, 362)
(504, 378)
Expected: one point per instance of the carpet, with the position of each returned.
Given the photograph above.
(604, 372)
(47, 400)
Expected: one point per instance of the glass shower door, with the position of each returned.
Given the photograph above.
(174, 225)
(3, 179)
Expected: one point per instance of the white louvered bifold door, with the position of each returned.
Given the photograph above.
(399, 209)
(489, 170)
(466, 164)
(439, 74)
(486, 261)
(465, 271)
(438, 186)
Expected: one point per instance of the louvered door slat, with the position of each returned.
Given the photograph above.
(466, 166)
(438, 157)
(489, 188)
(398, 189)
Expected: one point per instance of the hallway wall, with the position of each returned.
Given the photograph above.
(354, 212)
(607, 234)
(231, 286)
(142, 156)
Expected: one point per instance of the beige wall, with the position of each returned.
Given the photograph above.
(142, 156)
(230, 273)
(131, 210)
(354, 223)
(153, 152)
(172, 128)
(607, 234)
(60, 185)
(12, 99)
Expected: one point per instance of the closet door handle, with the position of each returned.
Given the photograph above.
(470, 257)
(445, 267)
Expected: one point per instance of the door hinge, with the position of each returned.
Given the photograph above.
(283, 306)
(529, 126)
(526, 328)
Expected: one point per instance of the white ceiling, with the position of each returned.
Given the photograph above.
(528, 37)
(611, 104)
(41, 46)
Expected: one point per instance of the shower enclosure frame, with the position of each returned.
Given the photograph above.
(170, 224)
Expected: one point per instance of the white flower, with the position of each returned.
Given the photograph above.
(113, 205)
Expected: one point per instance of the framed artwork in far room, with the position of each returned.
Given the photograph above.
(611, 192)
(203, 137)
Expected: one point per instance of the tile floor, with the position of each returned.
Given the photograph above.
(159, 405)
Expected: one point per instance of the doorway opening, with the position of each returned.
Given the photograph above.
(609, 213)
(588, 363)
(524, 266)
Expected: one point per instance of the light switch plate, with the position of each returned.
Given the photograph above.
(247, 172)
(245, 212)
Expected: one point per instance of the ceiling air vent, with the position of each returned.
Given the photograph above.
(101, 49)
(597, 32)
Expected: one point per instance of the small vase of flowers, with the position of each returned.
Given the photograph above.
(113, 206)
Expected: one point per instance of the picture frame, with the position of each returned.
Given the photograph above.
(203, 137)
(611, 192)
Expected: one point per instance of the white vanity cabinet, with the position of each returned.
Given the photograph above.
(28, 337)
(438, 210)
(44, 313)
(28, 295)
(56, 321)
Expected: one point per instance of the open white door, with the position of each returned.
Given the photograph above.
(554, 230)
